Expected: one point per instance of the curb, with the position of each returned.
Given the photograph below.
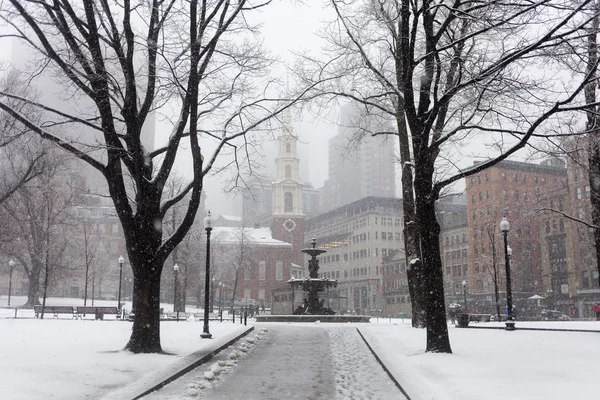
(387, 371)
(195, 364)
(533, 329)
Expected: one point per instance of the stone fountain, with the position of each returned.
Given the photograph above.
(312, 305)
(312, 308)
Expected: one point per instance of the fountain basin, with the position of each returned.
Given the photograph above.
(314, 318)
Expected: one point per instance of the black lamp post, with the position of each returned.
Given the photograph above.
(208, 222)
(175, 289)
(510, 322)
(121, 261)
(11, 265)
(465, 294)
(221, 284)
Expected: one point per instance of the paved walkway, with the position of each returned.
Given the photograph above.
(327, 361)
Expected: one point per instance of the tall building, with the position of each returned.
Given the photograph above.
(509, 189)
(60, 94)
(569, 275)
(287, 221)
(358, 169)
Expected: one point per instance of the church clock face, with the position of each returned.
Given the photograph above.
(289, 225)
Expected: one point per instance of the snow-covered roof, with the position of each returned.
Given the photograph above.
(231, 218)
(262, 236)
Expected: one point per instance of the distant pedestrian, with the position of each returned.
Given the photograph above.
(596, 308)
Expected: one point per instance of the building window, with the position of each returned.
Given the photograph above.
(505, 194)
(247, 293)
(288, 171)
(247, 271)
(587, 192)
(578, 193)
(504, 175)
(473, 198)
(279, 270)
(288, 202)
(288, 148)
(261, 294)
(480, 196)
(262, 267)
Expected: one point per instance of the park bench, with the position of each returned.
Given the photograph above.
(480, 317)
(97, 311)
(54, 310)
(173, 315)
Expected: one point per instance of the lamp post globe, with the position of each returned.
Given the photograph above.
(208, 225)
(11, 265)
(121, 261)
(510, 321)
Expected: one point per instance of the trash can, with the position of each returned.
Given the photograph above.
(463, 320)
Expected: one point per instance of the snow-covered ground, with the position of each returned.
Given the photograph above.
(74, 359)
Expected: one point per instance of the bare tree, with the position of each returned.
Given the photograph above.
(448, 73)
(122, 61)
(21, 160)
(493, 266)
(39, 213)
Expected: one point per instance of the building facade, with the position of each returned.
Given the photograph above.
(357, 237)
(509, 189)
(358, 169)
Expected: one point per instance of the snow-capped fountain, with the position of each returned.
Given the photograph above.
(312, 305)
(312, 308)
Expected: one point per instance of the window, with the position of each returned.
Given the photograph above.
(279, 270)
(247, 293)
(504, 175)
(390, 235)
(516, 195)
(480, 196)
(288, 171)
(262, 267)
(578, 193)
(587, 192)
(472, 198)
(288, 202)
(383, 236)
(487, 177)
(505, 194)
(261, 294)
(288, 148)
(247, 272)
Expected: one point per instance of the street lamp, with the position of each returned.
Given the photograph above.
(175, 291)
(465, 294)
(510, 322)
(208, 224)
(121, 261)
(11, 264)
(221, 284)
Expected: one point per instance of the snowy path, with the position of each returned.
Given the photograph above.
(287, 361)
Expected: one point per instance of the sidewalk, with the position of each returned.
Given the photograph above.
(155, 381)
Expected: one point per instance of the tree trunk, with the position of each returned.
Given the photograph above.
(412, 247)
(145, 335)
(33, 292)
(437, 325)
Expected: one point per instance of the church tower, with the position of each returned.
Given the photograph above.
(287, 223)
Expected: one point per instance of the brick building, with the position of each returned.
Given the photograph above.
(260, 263)
(509, 189)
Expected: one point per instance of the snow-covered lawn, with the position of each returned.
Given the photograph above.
(74, 359)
